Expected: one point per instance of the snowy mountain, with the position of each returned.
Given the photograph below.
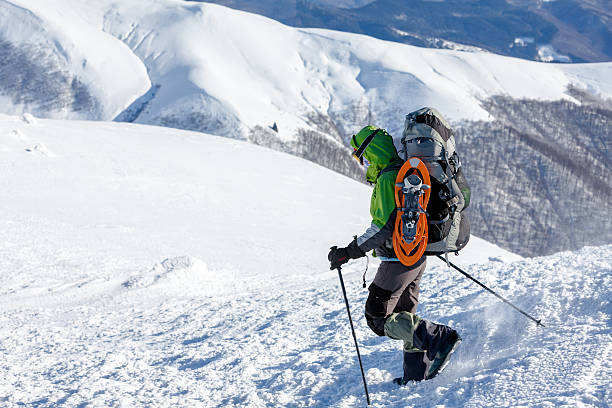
(208, 68)
(140, 267)
(57, 65)
(198, 63)
(541, 30)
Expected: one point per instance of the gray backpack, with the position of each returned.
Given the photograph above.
(429, 137)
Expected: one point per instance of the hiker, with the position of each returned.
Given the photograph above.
(393, 295)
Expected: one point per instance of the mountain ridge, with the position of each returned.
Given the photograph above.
(551, 31)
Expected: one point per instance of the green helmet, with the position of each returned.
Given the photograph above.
(376, 146)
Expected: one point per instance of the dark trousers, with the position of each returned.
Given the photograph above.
(391, 311)
(394, 289)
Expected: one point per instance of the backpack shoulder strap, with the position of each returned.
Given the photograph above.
(391, 167)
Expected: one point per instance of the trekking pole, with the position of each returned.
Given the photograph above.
(365, 384)
(467, 275)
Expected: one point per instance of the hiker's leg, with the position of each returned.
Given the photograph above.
(426, 344)
(409, 298)
(387, 289)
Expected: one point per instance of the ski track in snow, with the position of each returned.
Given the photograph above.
(104, 310)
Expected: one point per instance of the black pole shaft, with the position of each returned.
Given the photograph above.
(365, 384)
(467, 275)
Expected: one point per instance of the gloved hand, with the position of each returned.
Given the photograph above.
(339, 256)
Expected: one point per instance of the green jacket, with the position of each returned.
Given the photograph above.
(380, 153)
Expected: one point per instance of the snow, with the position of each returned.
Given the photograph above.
(206, 67)
(146, 266)
(436, 42)
(348, 4)
(106, 66)
(547, 53)
(522, 41)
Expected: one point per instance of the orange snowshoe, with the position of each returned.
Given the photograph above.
(412, 189)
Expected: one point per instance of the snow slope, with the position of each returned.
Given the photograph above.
(144, 266)
(219, 70)
(56, 64)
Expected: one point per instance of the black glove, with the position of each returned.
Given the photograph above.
(339, 256)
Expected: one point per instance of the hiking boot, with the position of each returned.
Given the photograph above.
(442, 357)
(400, 381)
(415, 366)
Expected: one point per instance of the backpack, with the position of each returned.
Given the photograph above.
(441, 197)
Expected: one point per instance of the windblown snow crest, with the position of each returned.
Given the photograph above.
(184, 276)
(181, 268)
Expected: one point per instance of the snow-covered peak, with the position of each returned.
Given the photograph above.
(225, 71)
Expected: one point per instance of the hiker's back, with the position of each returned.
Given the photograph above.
(428, 136)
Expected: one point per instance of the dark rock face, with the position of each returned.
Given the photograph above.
(578, 30)
(540, 174)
